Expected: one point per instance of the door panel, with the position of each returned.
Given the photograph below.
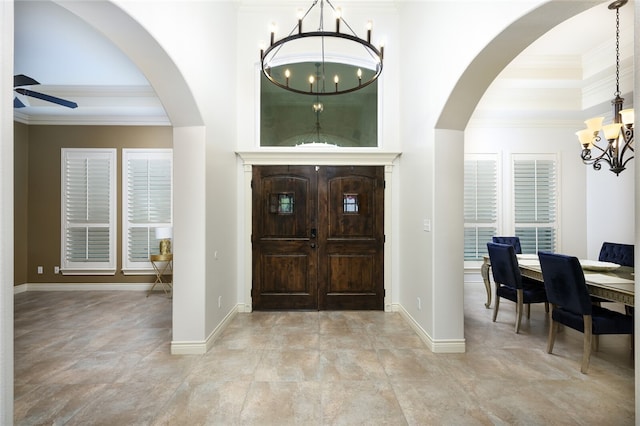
(351, 249)
(284, 261)
(318, 237)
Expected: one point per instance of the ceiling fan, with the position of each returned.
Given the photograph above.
(23, 80)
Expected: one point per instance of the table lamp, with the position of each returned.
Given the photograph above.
(164, 235)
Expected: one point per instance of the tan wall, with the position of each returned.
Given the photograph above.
(20, 185)
(43, 171)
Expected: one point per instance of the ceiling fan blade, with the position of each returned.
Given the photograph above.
(23, 80)
(17, 103)
(48, 98)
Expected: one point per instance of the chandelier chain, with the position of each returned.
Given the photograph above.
(617, 93)
(322, 47)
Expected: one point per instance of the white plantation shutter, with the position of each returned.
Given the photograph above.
(147, 203)
(535, 202)
(480, 205)
(88, 211)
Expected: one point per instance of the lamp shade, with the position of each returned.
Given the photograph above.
(627, 116)
(585, 137)
(594, 124)
(611, 131)
(164, 233)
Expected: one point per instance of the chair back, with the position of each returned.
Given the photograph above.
(622, 254)
(504, 265)
(514, 241)
(564, 282)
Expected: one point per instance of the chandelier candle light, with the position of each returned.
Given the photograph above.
(350, 62)
(619, 134)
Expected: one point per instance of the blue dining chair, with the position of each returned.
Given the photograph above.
(514, 241)
(571, 304)
(510, 283)
(619, 253)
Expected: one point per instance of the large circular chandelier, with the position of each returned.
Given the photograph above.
(321, 62)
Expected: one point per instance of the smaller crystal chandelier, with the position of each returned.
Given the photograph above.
(347, 62)
(619, 134)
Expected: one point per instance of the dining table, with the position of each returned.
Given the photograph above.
(604, 280)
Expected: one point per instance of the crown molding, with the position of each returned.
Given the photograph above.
(98, 120)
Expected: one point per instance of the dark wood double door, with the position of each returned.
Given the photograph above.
(318, 237)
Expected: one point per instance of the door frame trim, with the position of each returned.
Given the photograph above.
(313, 157)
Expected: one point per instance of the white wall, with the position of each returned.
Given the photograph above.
(437, 44)
(610, 207)
(6, 213)
(200, 38)
(189, 245)
(636, 192)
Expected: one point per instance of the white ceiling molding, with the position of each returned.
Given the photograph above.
(603, 57)
(544, 67)
(112, 105)
(98, 119)
(530, 121)
(600, 88)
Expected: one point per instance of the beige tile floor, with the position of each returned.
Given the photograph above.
(102, 358)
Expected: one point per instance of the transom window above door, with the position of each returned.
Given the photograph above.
(290, 119)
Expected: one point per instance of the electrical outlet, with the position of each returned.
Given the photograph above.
(56, 269)
(40, 270)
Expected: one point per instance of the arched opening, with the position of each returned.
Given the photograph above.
(159, 69)
(188, 142)
(450, 137)
(496, 56)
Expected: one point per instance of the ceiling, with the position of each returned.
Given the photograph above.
(72, 61)
(568, 74)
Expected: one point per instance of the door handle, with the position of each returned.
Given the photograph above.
(313, 245)
(314, 233)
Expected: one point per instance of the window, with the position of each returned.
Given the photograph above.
(535, 202)
(349, 120)
(350, 203)
(146, 205)
(480, 204)
(281, 203)
(88, 211)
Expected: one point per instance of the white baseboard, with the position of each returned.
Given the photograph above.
(245, 308)
(436, 346)
(202, 347)
(17, 289)
(82, 287)
(473, 276)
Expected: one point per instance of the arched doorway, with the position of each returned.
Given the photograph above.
(448, 147)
